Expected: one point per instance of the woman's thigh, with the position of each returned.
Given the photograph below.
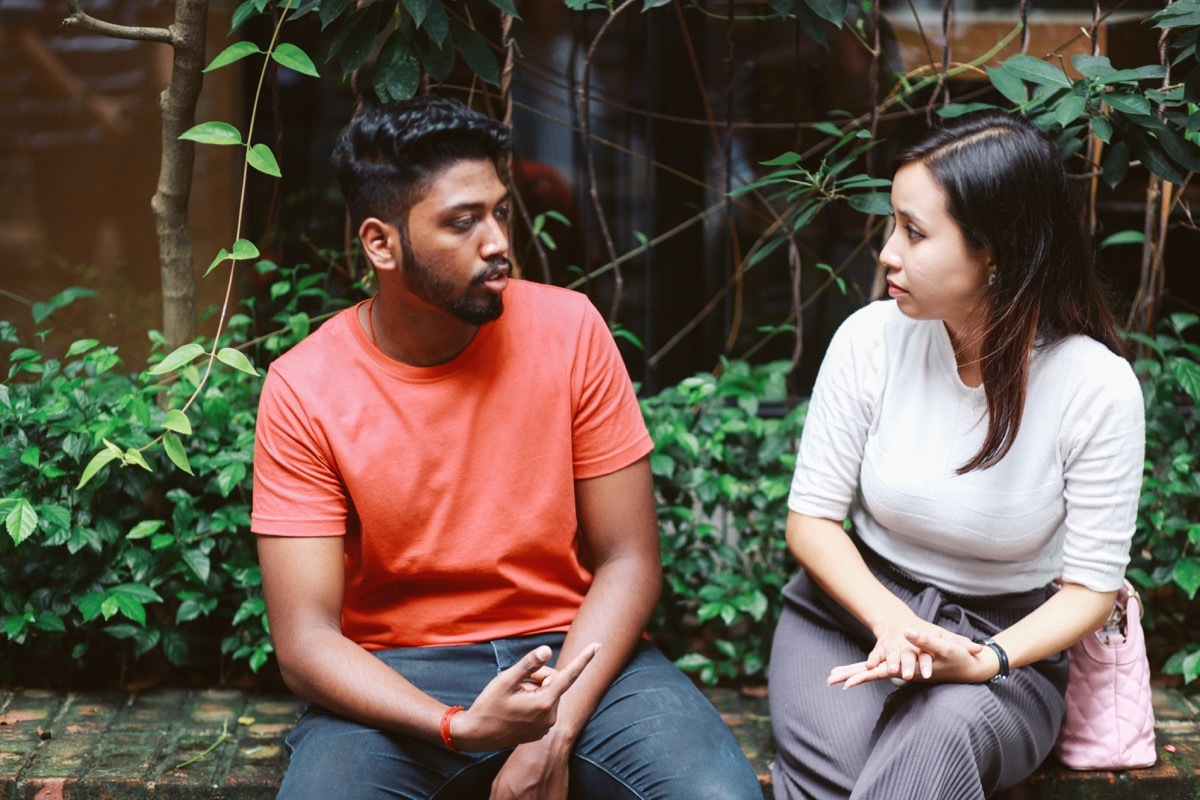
(823, 733)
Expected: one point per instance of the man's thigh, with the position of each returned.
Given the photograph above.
(333, 757)
(656, 734)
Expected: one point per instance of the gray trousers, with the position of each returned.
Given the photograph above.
(954, 741)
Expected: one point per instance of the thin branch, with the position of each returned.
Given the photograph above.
(84, 21)
(585, 115)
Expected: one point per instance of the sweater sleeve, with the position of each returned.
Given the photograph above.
(839, 418)
(1104, 452)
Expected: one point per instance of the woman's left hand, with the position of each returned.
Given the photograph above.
(944, 657)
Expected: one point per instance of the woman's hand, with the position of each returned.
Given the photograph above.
(908, 650)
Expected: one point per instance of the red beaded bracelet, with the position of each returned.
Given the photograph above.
(450, 712)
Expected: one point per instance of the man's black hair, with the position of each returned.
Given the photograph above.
(388, 153)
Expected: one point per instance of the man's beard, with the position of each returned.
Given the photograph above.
(424, 281)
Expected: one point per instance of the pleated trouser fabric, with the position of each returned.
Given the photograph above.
(920, 741)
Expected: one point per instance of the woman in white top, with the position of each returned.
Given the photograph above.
(984, 436)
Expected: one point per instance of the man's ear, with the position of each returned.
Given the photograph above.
(381, 243)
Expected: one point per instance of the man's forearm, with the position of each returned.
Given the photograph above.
(614, 613)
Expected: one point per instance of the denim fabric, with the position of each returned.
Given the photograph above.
(654, 736)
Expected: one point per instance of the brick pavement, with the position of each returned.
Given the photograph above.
(227, 745)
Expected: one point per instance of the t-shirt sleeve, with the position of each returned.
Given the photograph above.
(608, 431)
(297, 490)
(839, 417)
(1104, 458)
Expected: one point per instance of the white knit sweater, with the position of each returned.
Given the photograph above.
(890, 422)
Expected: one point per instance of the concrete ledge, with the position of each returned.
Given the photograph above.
(228, 745)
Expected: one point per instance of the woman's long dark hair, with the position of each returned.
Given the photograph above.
(1006, 188)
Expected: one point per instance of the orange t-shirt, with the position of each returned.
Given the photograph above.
(453, 485)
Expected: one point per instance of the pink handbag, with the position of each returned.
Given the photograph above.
(1110, 719)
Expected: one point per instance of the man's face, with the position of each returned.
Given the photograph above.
(455, 245)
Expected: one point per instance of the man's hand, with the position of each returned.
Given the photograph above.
(535, 771)
(519, 705)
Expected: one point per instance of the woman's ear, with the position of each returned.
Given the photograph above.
(381, 243)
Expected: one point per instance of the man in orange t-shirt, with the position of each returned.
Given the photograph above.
(451, 493)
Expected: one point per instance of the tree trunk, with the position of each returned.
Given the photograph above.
(170, 202)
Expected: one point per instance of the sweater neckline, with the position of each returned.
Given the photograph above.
(949, 364)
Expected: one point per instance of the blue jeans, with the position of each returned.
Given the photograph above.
(654, 736)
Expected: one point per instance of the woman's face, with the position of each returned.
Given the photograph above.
(931, 271)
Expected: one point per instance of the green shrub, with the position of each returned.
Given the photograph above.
(1168, 524)
(147, 561)
(723, 461)
(141, 559)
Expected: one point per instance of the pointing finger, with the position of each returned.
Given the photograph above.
(563, 678)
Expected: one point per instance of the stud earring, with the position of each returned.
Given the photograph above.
(992, 279)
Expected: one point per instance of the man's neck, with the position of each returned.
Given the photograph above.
(416, 336)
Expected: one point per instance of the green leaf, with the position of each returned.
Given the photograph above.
(177, 421)
(198, 562)
(90, 605)
(1187, 372)
(135, 591)
(1116, 163)
(1103, 129)
(147, 527)
(21, 521)
(397, 70)
(109, 606)
(230, 476)
(251, 607)
(61, 300)
(829, 10)
(176, 453)
(292, 57)
(129, 607)
(877, 203)
(221, 256)
(437, 26)
(1123, 237)
(237, 360)
(476, 52)
(134, 456)
(1187, 576)
(1092, 66)
(235, 52)
(437, 59)
(31, 456)
(354, 42)
(213, 133)
(244, 249)
(81, 346)
(508, 7)
(262, 159)
(178, 358)
(242, 13)
(1129, 103)
(1009, 84)
(329, 10)
(50, 622)
(786, 160)
(1191, 667)
(1069, 110)
(1036, 70)
(417, 9)
(95, 465)
(649, 4)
